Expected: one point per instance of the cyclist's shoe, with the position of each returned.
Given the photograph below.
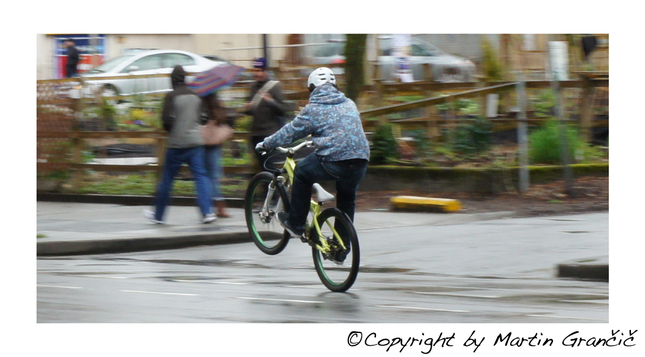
(339, 257)
(283, 218)
(211, 217)
(151, 216)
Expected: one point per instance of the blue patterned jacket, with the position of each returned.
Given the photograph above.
(334, 123)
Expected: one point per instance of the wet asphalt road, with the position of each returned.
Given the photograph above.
(478, 272)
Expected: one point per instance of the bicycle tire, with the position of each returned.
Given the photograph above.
(267, 234)
(336, 278)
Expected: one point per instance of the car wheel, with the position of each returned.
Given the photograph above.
(109, 90)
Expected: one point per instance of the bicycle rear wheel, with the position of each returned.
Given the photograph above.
(264, 228)
(337, 278)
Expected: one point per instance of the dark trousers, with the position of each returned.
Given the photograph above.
(347, 175)
(70, 72)
(194, 157)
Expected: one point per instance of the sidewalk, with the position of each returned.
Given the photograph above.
(68, 228)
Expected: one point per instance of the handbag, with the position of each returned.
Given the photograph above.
(214, 134)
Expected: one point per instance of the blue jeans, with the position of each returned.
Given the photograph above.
(214, 169)
(194, 157)
(347, 175)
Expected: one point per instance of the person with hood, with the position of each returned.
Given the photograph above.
(341, 155)
(266, 104)
(183, 113)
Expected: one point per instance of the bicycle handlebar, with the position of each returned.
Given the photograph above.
(292, 150)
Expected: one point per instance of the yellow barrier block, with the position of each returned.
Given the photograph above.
(425, 203)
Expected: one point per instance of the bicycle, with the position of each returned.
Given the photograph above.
(329, 232)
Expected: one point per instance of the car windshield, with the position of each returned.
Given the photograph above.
(110, 65)
(417, 48)
(330, 50)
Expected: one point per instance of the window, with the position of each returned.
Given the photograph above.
(416, 50)
(173, 59)
(335, 49)
(146, 63)
(111, 64)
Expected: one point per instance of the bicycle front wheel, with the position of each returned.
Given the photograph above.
(261, 212)
(335, 277)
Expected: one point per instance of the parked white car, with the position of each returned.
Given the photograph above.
(445, 67)
(143, 63)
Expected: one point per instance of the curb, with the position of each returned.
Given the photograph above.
(595, 272)
(128, 245)
(128, 200)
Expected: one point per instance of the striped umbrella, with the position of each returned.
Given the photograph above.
(215, 79)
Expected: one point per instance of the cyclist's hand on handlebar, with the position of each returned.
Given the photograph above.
(260, 148)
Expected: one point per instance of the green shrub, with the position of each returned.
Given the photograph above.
(544, 104)
(422, 143)
(471, 136)
(544, 144)
(491, 65)
(384, 146)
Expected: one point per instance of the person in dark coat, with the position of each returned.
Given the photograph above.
(73, 57)
(267, 108)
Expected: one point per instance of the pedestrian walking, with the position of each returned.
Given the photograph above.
(73, 57)
(266, 104)
(183, 113)
(213, 153)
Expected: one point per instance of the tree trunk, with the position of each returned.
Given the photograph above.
(354, 59)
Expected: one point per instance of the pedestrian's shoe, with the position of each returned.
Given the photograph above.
(151, 216)
(283, 218)
(211, 217)
(221, 210)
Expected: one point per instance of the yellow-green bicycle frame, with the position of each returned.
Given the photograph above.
(315, 207)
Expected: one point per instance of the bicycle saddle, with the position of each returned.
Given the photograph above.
(323, 196)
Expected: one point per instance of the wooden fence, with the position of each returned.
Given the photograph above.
(57, 115)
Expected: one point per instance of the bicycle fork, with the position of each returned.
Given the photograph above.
(265, 213)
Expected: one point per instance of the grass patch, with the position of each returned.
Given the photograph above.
(145, 184)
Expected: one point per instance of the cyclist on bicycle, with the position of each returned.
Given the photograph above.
(342, 150)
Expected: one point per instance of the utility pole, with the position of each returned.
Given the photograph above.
(522, 133)
(265, 46)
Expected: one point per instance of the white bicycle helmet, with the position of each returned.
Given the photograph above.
(320, 76)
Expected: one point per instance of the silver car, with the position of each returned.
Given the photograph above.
(445, 67)
(143, 64)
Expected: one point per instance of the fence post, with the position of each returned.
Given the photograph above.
(586, 109)
(77, 157)
(564, 147)
(77, 141)
(427, 72)
(522, 141)
(380, 94)
(376, 72)
(430, 111)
